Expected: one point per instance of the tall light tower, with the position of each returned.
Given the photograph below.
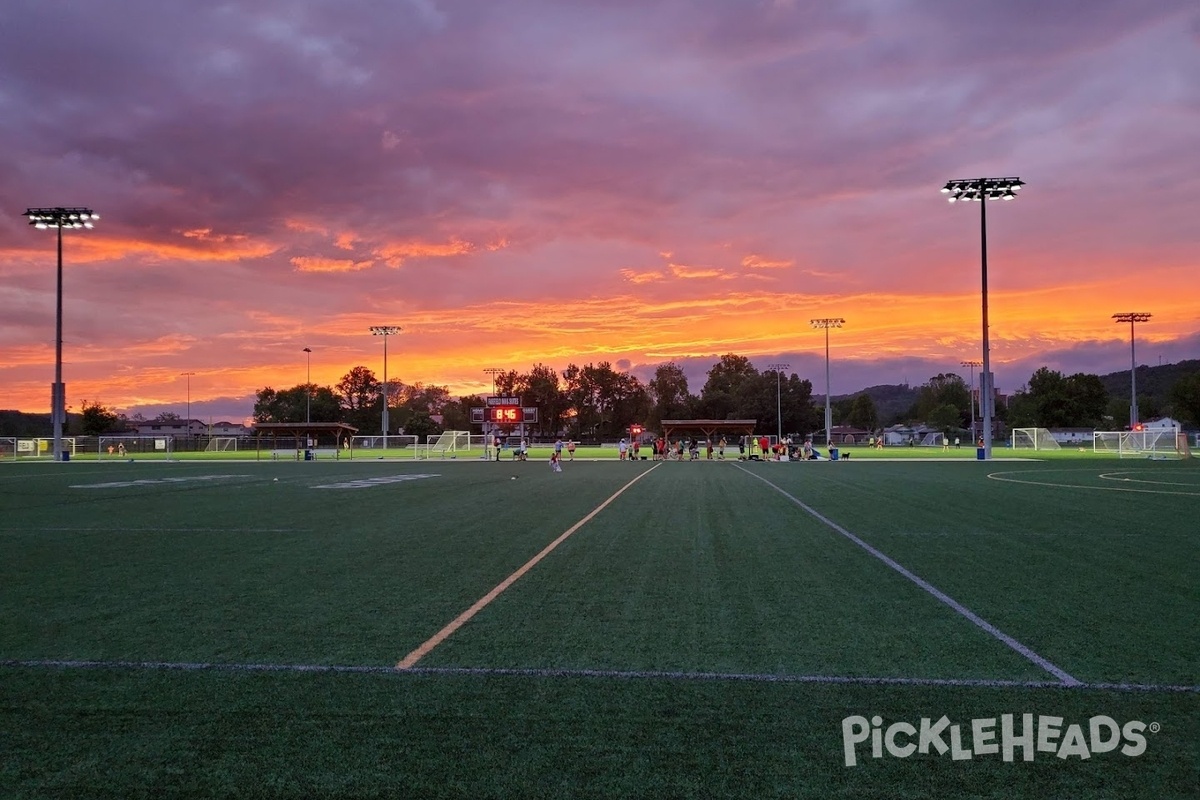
(827, 323)
(972, 365)
(1132, 317)
(493, 371)
(981, 190)
(59, 217)
(385, 331)
(189, 375)
(779, 367)
(308, 386)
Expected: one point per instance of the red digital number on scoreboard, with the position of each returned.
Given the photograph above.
(506, 415)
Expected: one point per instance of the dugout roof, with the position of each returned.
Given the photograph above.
(303, 429)
(708, 427)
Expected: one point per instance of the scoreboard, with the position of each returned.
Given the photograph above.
(504, 411)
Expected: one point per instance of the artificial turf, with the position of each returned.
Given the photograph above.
(738, 572)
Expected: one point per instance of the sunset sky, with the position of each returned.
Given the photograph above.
(521, 181)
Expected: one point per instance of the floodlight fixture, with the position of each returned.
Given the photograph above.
(1132, 317)
(385, 331)
(827, 323)
(981, 190)
(58, 218)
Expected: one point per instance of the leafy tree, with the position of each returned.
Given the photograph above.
(1054, 401)
(941, 390)
(669, 394)
(360, 392)
(1185, 398)
(541, 388)
(96, 418)
(862, 412)
(167, 416)
(725, 384)
(946, 417)
(456, 415)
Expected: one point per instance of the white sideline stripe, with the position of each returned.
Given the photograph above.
(615, 674)
(423, 650)
(974, 618)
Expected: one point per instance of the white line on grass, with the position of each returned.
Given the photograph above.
(423, 650)
(1003, 477)
(614, 674)
(974, 618)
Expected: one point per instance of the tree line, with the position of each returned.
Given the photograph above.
(598, 402)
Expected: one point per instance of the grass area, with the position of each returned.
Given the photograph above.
(581, 678)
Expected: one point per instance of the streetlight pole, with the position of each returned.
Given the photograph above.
(778, 406)
(385, 331)
(827, 323)
(59, 217)
(981, 190)
(1131, 317)
(972, 365)
(308, 386)
(189, 375)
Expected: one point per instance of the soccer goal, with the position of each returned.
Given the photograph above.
(8, 448)
(452, 443)
(222, 444)
(1167, 443)
(934, 439)
(42, 447)
(1033, 439)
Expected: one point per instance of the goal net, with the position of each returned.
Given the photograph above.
(8, 448)
(1167, 443)
(221, 444)
(932, 440)
(453, 443)
(42, 447)
(1033, 439)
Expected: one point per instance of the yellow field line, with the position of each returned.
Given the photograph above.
(433, 641)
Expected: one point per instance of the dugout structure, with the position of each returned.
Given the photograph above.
(711, 429)
(302, 436)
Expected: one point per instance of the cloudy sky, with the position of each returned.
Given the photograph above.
(535, 181)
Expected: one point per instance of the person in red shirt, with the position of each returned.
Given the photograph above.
(764, 446)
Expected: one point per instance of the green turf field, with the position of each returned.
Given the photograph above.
(233, 629)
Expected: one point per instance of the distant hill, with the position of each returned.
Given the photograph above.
(890, 399)
(1152, 382)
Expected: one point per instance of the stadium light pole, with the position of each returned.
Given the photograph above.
(1132, 317)
(778, 405)
(385, 331)
(981, 190)
(59, 218)
(493, 371)
(308, 386)
(827, 323)
(189, 375)
(972, 365)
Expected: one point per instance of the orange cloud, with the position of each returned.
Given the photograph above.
(754, 261)
(313, 264)
(395, 254)
(633, 276)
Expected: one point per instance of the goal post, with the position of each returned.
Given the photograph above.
(1034, 439)
(449, 443)
(1162, 443)
(222, 444)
